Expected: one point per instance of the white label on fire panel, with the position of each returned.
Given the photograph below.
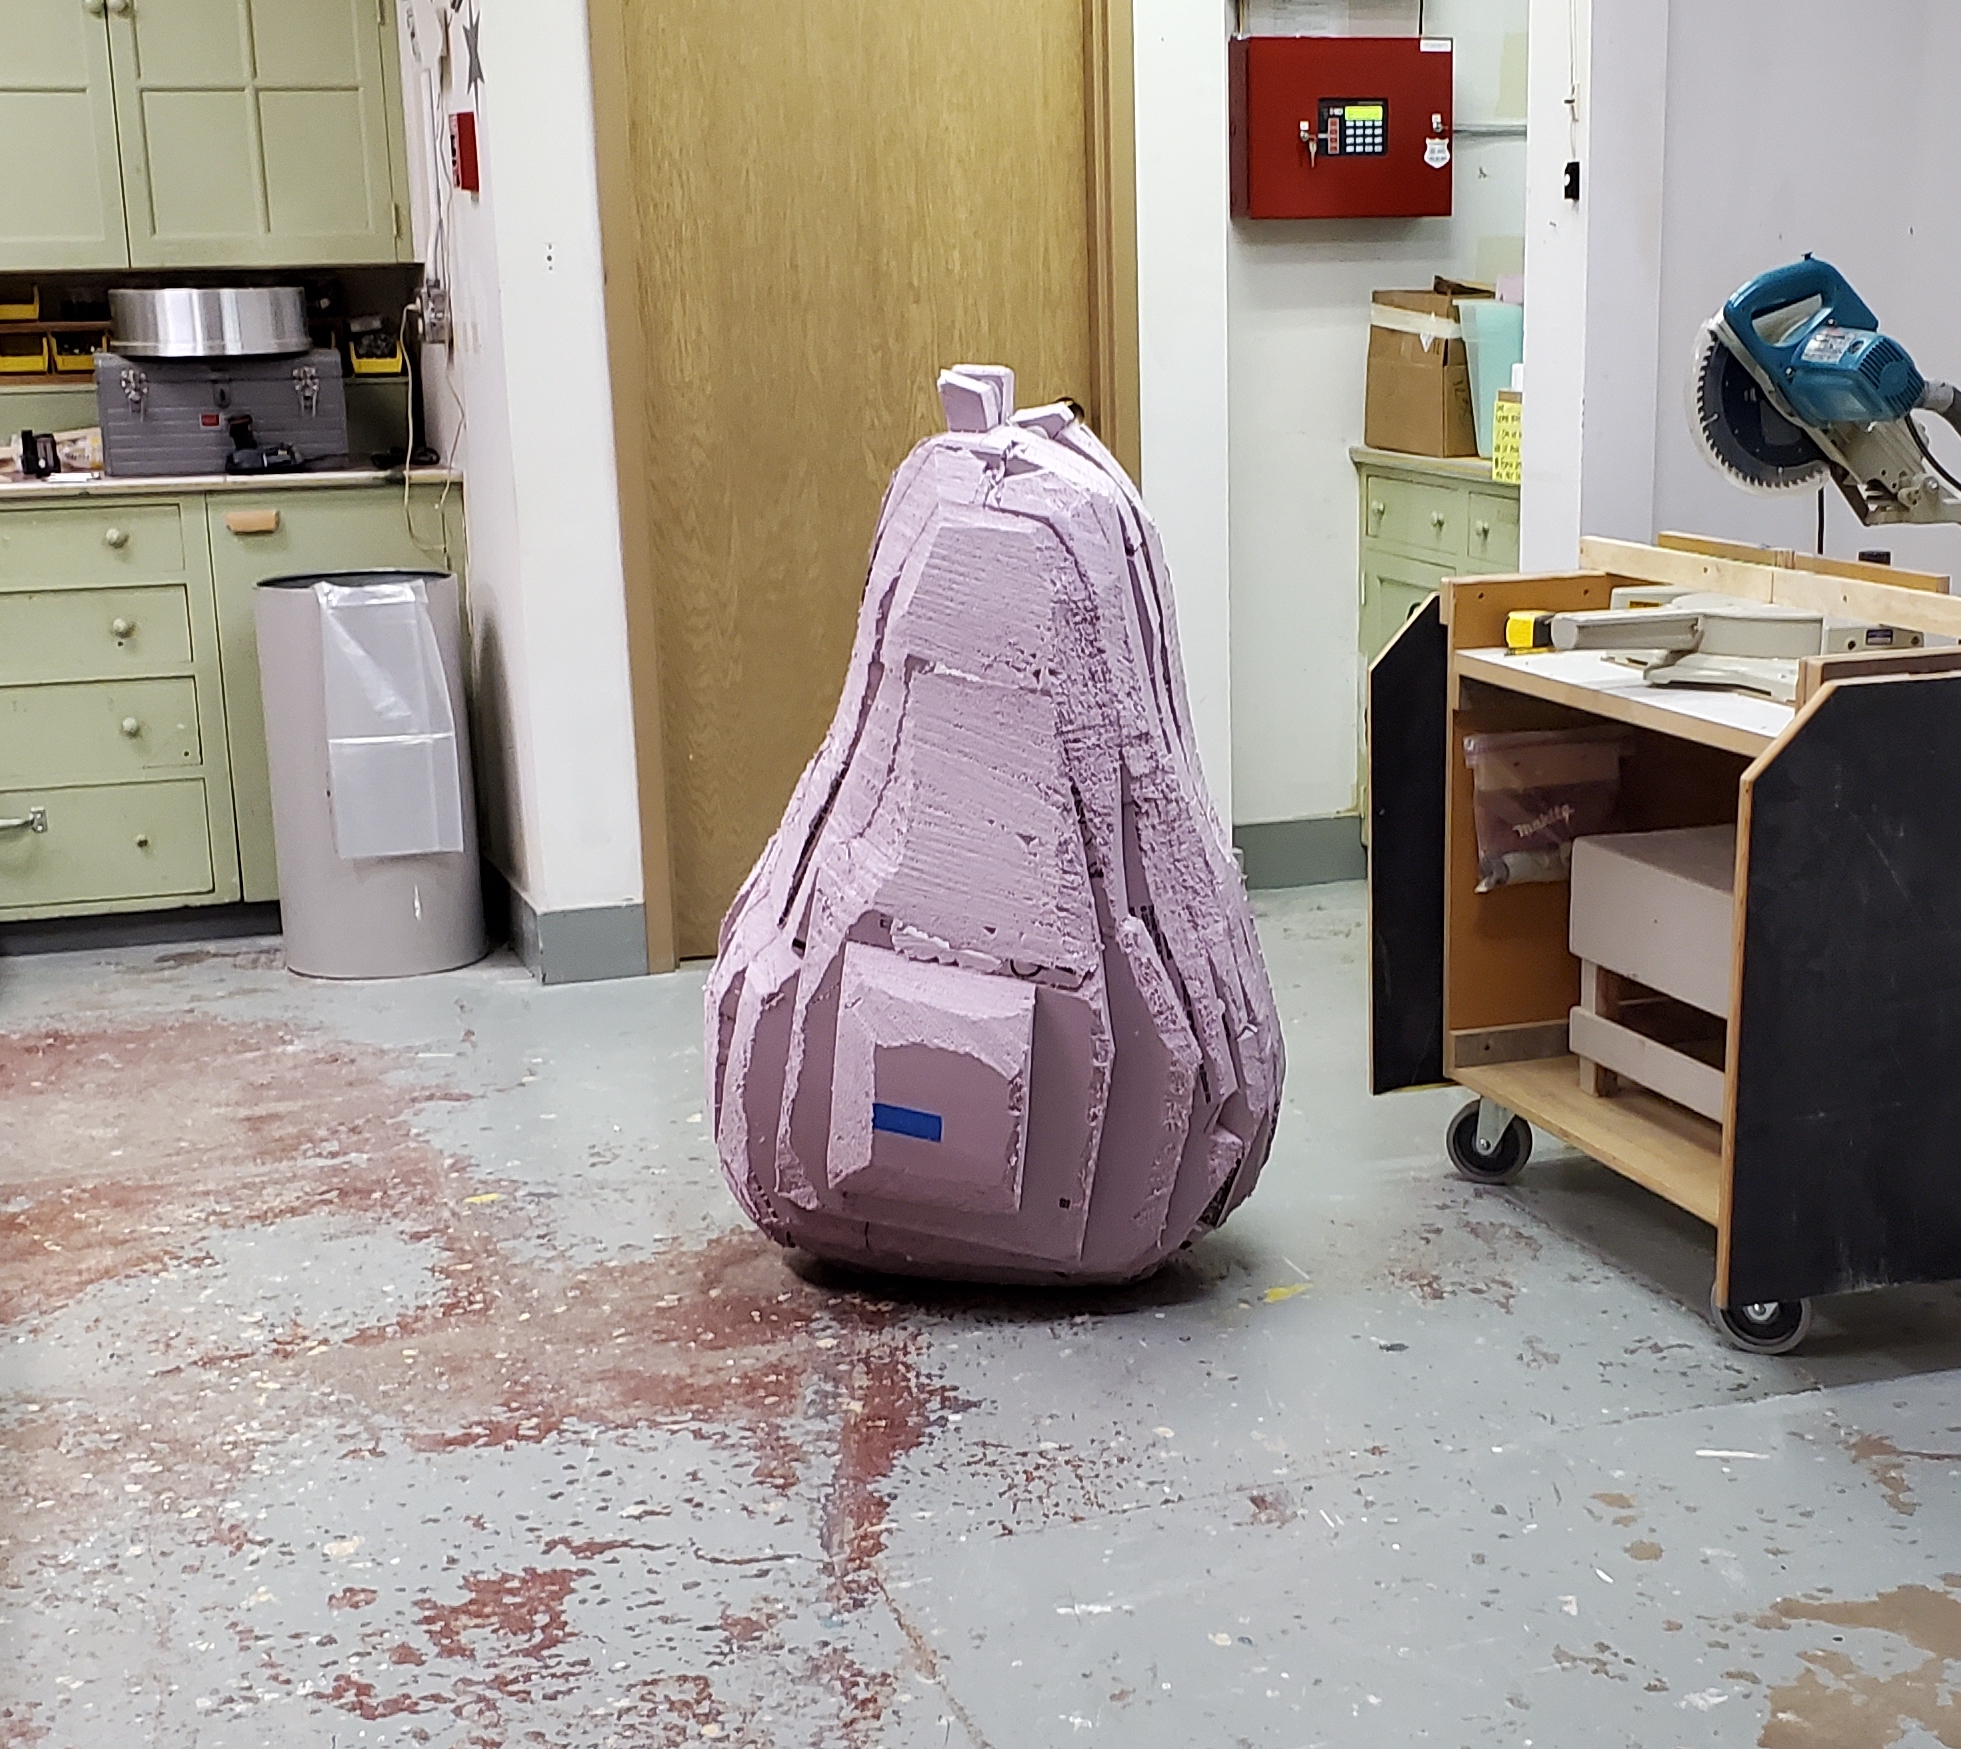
(1436, 153)
(1435, 45)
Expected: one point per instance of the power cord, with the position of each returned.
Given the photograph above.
(1933, 461)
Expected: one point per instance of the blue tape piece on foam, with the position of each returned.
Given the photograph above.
(903, 1120)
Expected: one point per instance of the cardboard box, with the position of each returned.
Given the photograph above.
(1419, 382)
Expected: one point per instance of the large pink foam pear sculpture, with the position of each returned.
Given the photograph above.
(991, 1004)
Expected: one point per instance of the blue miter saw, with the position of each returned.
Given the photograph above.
(1794, 383)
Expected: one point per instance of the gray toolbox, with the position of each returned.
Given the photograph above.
(166, 416)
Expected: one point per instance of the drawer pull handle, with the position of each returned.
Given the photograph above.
(1437, 519)
(1482, 529)
(252, 521)
(1378, 508)
(142, 841)
(115, 537)
(122, 627)
(132, 728)
(34, 820)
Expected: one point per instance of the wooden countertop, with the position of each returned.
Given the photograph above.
(1474, 468)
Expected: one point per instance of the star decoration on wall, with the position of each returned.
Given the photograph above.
(472, 26)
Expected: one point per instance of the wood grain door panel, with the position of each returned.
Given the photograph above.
(822, 207)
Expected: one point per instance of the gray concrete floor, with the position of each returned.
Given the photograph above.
(385, 1364)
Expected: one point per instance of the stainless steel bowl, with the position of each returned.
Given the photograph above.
(209, 322)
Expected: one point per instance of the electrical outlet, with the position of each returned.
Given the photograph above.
(434, 309)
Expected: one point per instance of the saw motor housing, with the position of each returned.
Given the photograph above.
(1795, 383)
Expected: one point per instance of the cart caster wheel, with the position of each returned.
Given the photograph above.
(1506, 1154)
(1768, 1327)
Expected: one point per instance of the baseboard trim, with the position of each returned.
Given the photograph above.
(112, 929)
(1302, 853)
(580, 946)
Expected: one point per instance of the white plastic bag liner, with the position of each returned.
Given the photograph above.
(393, 772)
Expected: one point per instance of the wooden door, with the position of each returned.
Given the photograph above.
(808, 211)
(255, 133)
(61, 196)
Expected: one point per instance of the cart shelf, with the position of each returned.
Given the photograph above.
(1658, 1144)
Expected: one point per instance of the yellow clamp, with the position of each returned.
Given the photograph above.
(1528, 630)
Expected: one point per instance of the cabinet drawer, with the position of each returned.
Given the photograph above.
(1494, 529)
(90, 543)
(105, 732)
(93, 634)
(1427, 519)
(113, 841)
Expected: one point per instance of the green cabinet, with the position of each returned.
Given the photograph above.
(1423, 518)
(204, 133)
(132, 732)
(114, 784)
(61, 196)
(1426, 518)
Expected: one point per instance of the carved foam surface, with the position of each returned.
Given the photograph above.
(991, 1004)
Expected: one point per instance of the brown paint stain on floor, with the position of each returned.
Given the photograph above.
(126, 1147)
(1436, 1262)
(1838, 1701)
(121, 1144)
(1888, 1466)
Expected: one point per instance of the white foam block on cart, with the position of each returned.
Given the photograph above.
(1657, 907)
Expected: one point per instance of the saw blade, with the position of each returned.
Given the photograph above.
(1742, 433)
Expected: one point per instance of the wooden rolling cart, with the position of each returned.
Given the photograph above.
(1835, 1161)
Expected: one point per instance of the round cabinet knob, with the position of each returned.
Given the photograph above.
(120, 8)
(132, 728)
(1481, 529)
(115, 537)
(94, 8)
(1437, 519)
(142, 841)
(1378, 508)
(122, 627)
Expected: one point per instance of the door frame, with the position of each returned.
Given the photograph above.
(1110, 156)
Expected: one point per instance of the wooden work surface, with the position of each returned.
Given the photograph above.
(1658, 1144)
(1588, 680)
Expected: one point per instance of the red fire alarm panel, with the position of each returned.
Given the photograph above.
(1340, 127)
(463, 172)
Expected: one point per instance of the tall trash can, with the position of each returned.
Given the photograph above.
(369, 752)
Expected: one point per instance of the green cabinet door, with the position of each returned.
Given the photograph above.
(352, 528)
(257, 132)
(61, 194)
(1392, 590)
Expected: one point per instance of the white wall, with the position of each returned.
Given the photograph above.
(1593, 274)
(1689, 192)
(523, 403)
(1298, 297)
(1182, 224)
(1875, 199)
(1253, 340)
